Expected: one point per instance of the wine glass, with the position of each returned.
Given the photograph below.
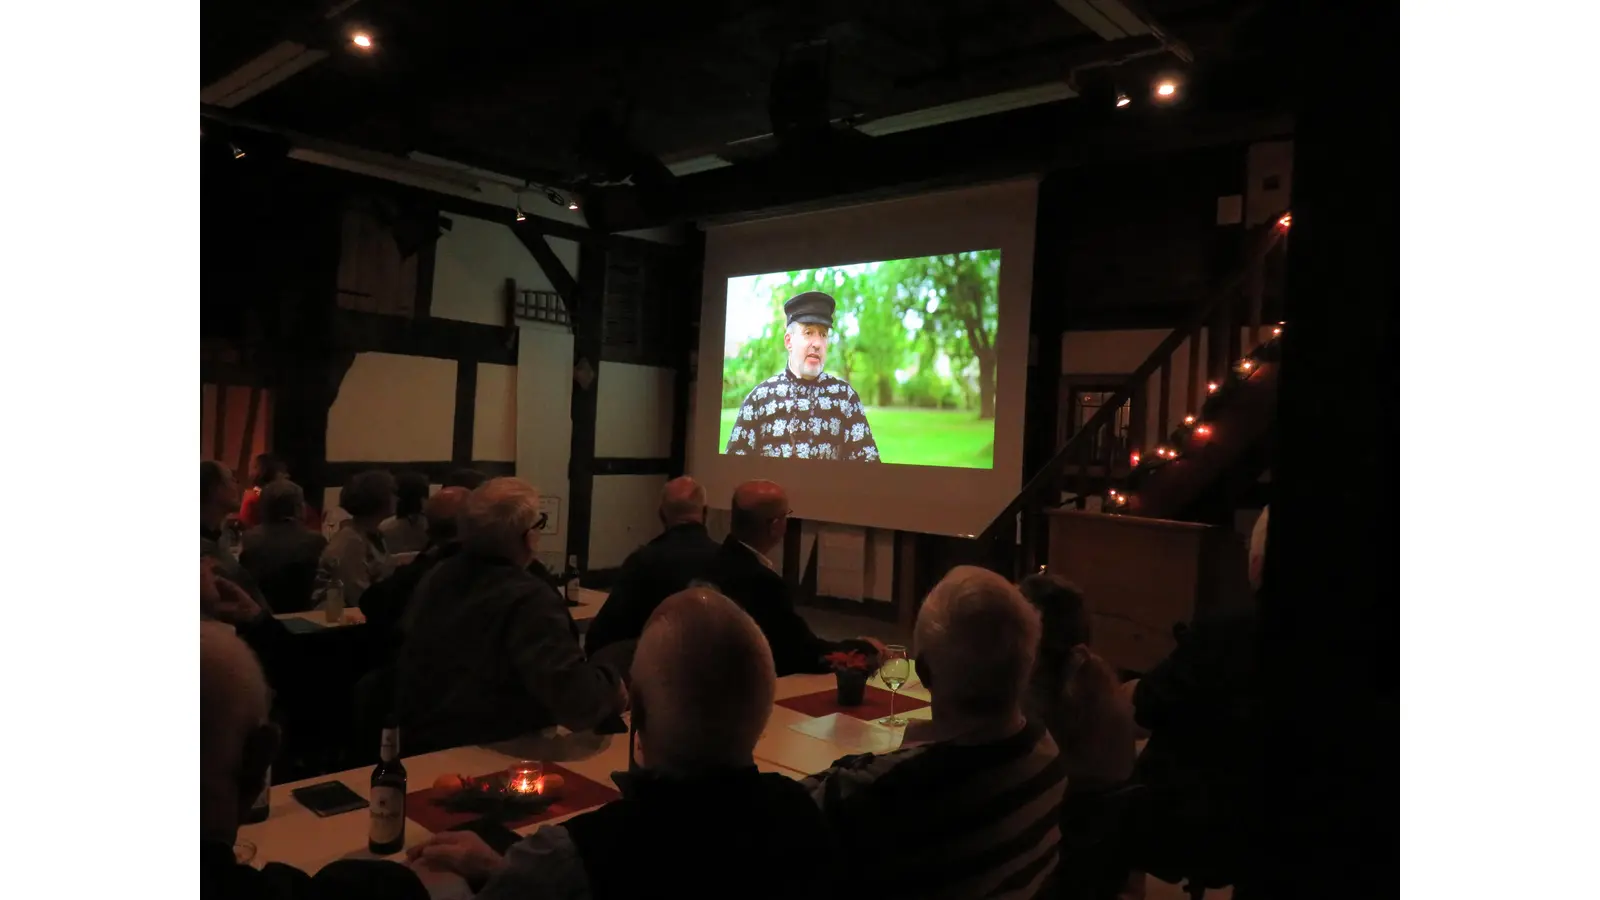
(894, 671)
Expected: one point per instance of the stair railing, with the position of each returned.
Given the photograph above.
(1013, 541)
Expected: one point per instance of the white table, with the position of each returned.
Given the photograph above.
(589, 603)
(294, 835)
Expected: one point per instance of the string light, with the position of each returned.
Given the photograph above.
(361, 39)
(521, 216)
(1133, 459)
(1246, 364)
(1202, 430)
(1188, 420)
(1211, 387)
(1285, 221)
(1277, 329)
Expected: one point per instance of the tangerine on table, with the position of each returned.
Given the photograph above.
(449, 783)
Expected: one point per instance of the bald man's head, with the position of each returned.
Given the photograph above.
(683, 500)
(442, 510)
(237, 742)
(760, 514)
(704, 681)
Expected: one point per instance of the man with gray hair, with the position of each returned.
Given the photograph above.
(977, 805)
(666, 564)
(237, 744)
(704, 685)
(491, 651)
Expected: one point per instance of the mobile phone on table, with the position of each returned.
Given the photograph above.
(328, 798)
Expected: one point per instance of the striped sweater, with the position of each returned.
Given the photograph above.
(946, 820)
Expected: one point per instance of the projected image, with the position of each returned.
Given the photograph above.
(874, 362)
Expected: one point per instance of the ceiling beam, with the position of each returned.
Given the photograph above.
(1029, 141)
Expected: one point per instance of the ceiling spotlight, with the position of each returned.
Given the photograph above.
(521, 216)
(238, 152)
(1166, 89)
(1123, 100)
(572, 204)
(362, 39)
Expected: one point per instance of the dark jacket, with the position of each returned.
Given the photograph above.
(223, 878)
(647, 843)
(650, 575)
(1198, 768)
(492, 653)
(741, 576)
(282, 557)
(226, 566)
(387, 604)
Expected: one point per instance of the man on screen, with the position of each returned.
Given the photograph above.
(803, 412)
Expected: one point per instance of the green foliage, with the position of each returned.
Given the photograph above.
(907, 333)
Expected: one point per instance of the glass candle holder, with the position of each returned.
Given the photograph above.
(525, 778)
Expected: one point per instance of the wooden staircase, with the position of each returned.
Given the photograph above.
(1139, 504)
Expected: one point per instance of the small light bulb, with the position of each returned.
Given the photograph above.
(1277, 330)
(1286, 220)
(1211, 387)
(1246, 365)
(572, 205)
(1121, 500)
(361, 39)
(1166, 89)
(1202, 430)
(1188, 420)
(1133, 458)
(1122, 100)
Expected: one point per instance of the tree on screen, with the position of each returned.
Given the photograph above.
(908, 333)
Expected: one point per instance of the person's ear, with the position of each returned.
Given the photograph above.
(260, 749)
(788, 339)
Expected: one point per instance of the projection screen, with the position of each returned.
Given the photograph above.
(871, 359)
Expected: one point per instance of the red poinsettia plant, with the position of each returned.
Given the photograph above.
(848, 662)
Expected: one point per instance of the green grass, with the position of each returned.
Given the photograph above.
(918, 437)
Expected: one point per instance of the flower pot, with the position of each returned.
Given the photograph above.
(852, 688)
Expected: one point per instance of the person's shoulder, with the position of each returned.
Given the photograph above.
(852, 776)
(765, 386)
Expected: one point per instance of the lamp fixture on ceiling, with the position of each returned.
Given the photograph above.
(238, 152)
(1123, 100)
(362, 39)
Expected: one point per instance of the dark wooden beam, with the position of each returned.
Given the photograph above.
(363, 332)
(436, 469)
(466, 410)
(1029, 141)
(560, 278)
(587, 316)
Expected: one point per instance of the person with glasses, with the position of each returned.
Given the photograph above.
(491, 651)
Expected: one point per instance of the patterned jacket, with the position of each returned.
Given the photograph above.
(799, 419)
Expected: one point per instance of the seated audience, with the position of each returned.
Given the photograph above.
(237, 745)
(281, 553)
(407, 530)
(975, 811)
(492, 651)
(1075, 693)
(743, 573)
(219, 498)
(470, 479)
(704, 689)
(356, 553)
(385, 603)
(1198, 705)
(651, 573)
(269, 468)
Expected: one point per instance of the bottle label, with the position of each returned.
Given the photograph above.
(389, 746)
(388, 814)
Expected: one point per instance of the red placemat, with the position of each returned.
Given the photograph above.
(874, 704)
(579, 793)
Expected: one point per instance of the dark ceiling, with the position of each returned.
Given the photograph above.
(583, 92)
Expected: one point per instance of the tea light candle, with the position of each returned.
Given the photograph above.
(525, 778)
